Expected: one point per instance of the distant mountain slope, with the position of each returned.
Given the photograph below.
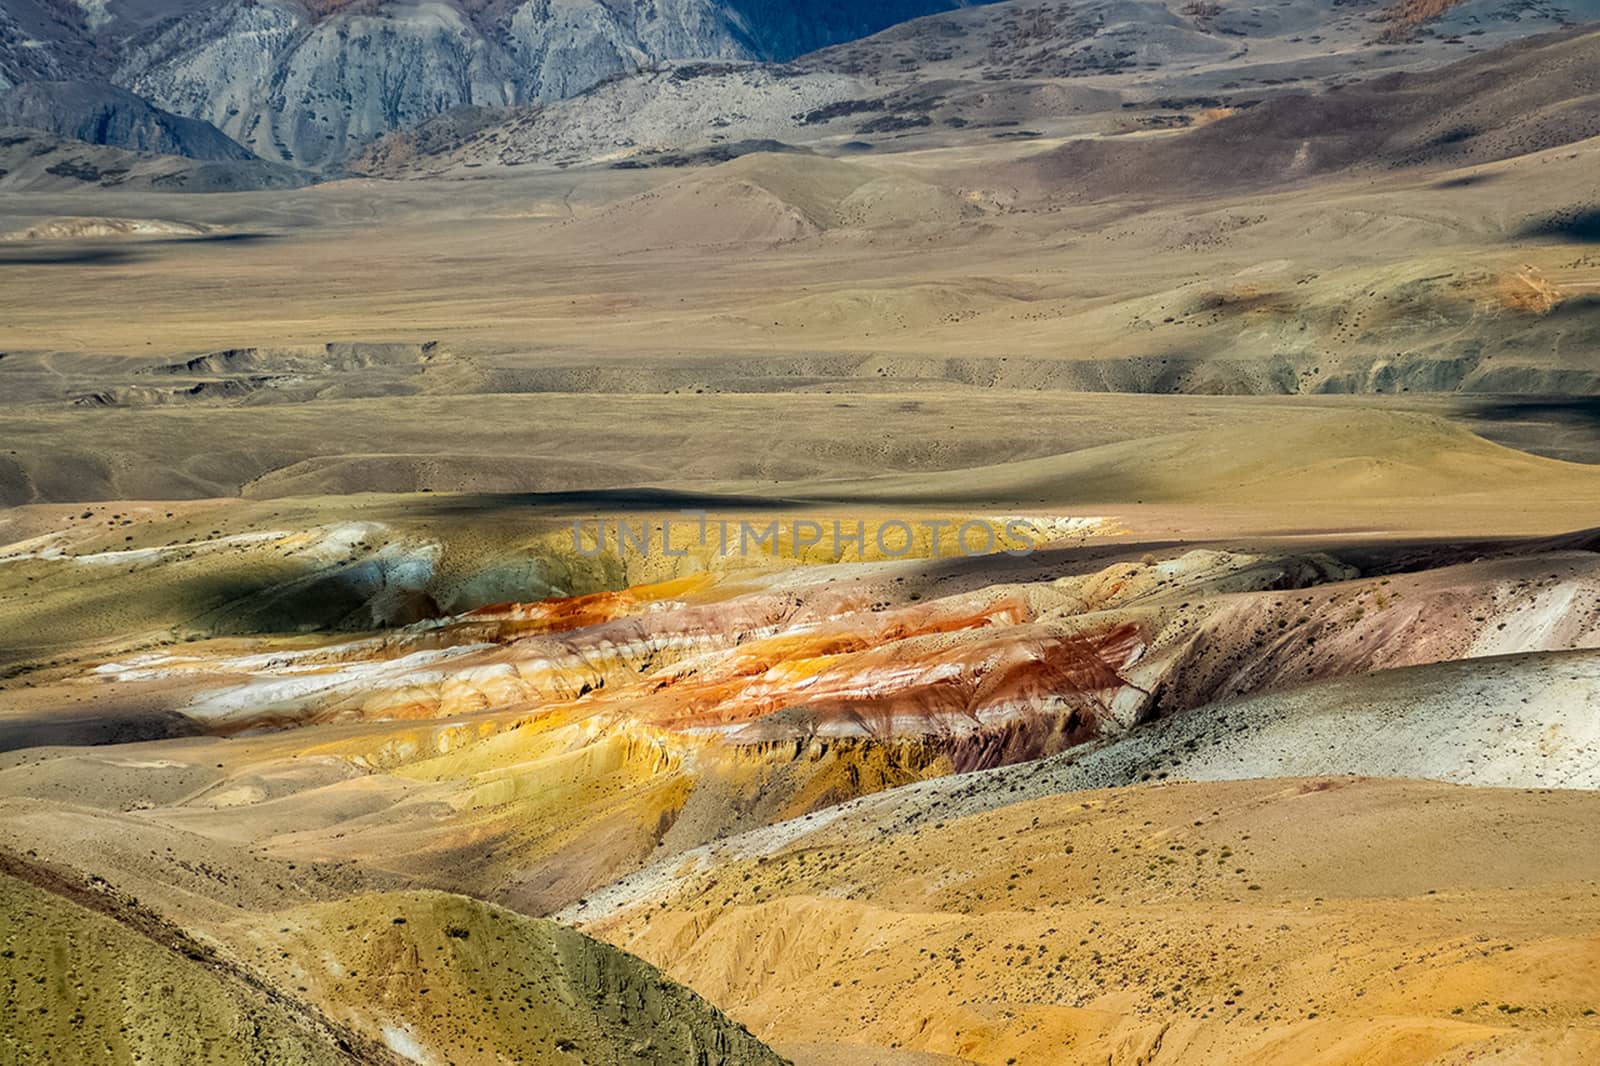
(1526, 97)
(37, 160)
(678, 106)
(101, 113)
(307, 82)
(1018, 69)
(43, 41)
(1078, 38)
(312, 82)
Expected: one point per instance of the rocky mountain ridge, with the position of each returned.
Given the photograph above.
(1016, 70)
(306, 84)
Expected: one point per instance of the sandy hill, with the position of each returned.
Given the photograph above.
(1311, 456)
(765, 199)
(1321, 921)
(445, 978)
(82, 987)
(1506, 722)
(382, 979)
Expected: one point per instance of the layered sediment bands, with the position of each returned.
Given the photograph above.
(534, 753)
(832, 654)
(576, 612)
(1255, 643)
(955, 689)
(693, 655)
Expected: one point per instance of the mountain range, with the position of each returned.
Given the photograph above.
(303, 83)
(322, 86)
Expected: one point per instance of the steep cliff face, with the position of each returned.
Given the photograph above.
(222, 65)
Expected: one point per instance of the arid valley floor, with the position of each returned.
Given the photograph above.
(338, 724)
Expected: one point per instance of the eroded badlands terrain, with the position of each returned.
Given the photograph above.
(1253, 347)
(758, 753)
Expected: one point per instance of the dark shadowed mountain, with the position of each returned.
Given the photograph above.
(101, 113)
(37, 160)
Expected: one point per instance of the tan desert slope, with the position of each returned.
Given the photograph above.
(1323, 920)
(1319, 456)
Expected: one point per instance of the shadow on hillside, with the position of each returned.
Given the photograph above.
(82, 728)
(1580, 226)
(73, 253)
(1576, 412)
